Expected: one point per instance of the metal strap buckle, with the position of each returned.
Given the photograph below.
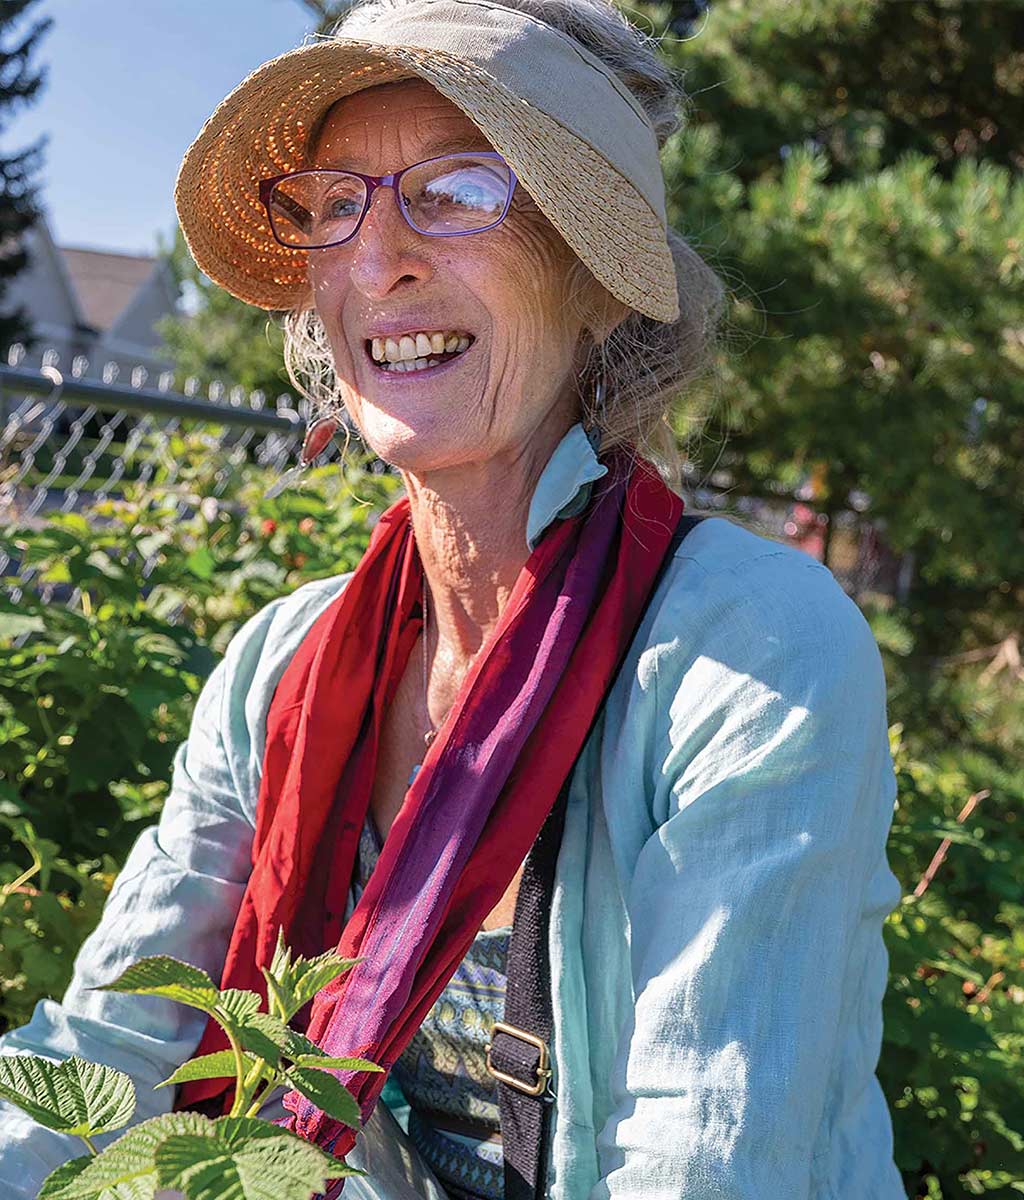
(543, 1069)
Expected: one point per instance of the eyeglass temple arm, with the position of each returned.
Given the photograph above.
(292, 209)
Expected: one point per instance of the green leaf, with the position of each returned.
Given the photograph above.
(164, 976)
(219, 1065)
(293, 984)
(237, 1010)
(245, 1159)
(137, 1189)
(324, 1062)
(275, 993)
(238, 1005)
(201, 563)
(309, 976)
(256, 1031)
(129, 1163)
(63, 1175)
(281, 963)
(263, 1035)
(327, 1093)
(299, 1049)
(299, 1046)
(74, 1096)
(295, 1046)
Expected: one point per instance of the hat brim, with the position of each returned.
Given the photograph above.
(261, 129)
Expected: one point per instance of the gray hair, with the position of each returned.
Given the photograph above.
(647, 365)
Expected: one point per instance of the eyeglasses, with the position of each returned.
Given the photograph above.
(448, 196)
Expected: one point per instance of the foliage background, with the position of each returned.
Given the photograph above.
(20, 83)
(852, 169)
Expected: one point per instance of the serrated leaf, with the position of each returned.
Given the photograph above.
(137, 1189)
(298, 1046)
(164, 976)
(238, 1004)
(258, 1032)
(129, 1162)
(275, 993)
(309, 977)
(296, 983)
(323, 1062)
(219, 1065)
(289, 1042)
(253, 1039)
(63, 1175)
(245, 1159)
(281, 963)
(234, 1008)
(74, 1096)
(327, 1093)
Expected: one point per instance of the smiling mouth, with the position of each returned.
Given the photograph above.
(417, 352)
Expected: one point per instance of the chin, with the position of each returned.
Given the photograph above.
(418, 443)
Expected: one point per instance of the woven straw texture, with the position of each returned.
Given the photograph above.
(261, 128)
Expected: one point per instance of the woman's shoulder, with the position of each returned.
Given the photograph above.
(741, 598)
(274, 632)
(724, 545)
(261, 648)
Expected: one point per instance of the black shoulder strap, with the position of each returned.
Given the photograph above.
(519, 1055)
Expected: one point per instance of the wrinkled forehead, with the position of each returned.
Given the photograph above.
(409, 110)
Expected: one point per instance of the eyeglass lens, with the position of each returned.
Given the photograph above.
(457, 194)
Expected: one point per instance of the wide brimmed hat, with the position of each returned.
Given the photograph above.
(576, 137)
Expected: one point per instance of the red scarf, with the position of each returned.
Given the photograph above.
(488, 780)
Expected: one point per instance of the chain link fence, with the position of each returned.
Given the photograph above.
(67, 441)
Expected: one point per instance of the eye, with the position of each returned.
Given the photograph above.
(344, 206)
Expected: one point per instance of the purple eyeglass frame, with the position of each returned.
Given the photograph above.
(372, 182)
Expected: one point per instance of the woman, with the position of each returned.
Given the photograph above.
(531, 718)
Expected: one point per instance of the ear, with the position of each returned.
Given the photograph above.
(607, 314)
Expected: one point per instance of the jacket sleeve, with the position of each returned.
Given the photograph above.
(178, 894)
(755, 896)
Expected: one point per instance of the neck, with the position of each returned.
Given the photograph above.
(470, 527)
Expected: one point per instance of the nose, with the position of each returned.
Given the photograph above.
(387, 250)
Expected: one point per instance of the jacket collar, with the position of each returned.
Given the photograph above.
(564, 486)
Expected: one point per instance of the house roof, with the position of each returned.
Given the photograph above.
(105, 282)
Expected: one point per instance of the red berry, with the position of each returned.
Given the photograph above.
(268, 526)
(307, 525)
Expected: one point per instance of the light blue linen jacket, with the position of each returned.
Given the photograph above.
(715, 940)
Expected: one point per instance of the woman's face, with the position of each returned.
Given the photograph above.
(503, 287)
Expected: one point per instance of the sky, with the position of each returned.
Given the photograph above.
(130, 83)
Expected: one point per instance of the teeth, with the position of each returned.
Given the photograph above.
(416, 364)
(411, 347)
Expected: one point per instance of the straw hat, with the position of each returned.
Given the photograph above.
(578, 140)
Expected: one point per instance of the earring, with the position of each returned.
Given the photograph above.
(317, 439)
(594, 422)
